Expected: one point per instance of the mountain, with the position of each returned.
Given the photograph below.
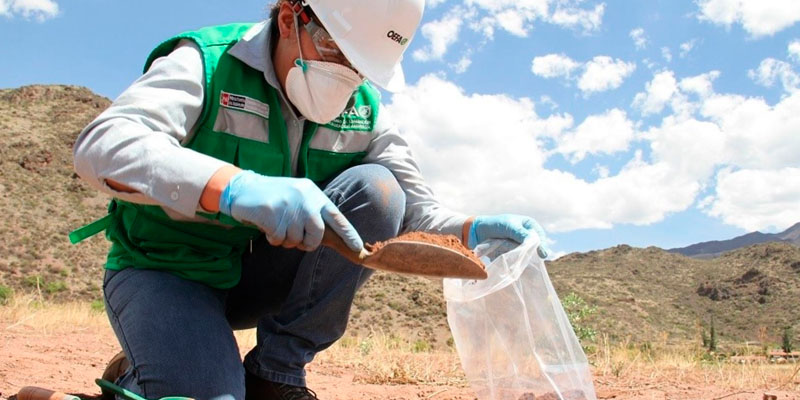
(642, 294)
(717, 247)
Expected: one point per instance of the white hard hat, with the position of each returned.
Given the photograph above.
(372, 34)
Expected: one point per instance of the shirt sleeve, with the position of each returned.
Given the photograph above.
(137, 140)
(423, 211)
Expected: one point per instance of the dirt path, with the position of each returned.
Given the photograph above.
(70, 359)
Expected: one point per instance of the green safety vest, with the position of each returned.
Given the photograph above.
(242, 124)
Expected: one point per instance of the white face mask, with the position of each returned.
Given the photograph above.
(320, 90)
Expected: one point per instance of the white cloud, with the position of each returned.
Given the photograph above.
(40, 10)
(513, 22)
(518, 17)
(440, 121)
(499, 144)
(794, 50)
(553, 65)
(666, 54)
(658, 92)
(639, 38)
(502, 146)
(600, 74)
(757, 199)
(599, 134)
(771, 70)
(687, 47)
(434, 3)
(758, 18)
(514, 17)
(685, 145)
(587, 20)
(758, 136)
(441, 34)
(699, 84)
(463, 63)
(755, 144)
(604, 73)
(548, 101)
(602, 171)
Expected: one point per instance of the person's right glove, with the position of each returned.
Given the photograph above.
(292, 212)
(512, 227)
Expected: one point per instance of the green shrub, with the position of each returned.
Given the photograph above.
(787, 339)
(712, 340)
(348, 342)
(578, 313)
(98, 306)
(34, 281)
(55, 287)
(704, 338)
(5, 294)
(365, 347)
(421, 346)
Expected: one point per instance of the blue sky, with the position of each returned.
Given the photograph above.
(655, 122)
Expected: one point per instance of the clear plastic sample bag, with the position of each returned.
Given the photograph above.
(511, 332)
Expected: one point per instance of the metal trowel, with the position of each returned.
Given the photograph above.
(410, 257)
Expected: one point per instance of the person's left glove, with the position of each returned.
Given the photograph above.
(513, 227)
(292, 212)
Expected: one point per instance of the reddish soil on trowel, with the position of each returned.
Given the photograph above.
(448, 241)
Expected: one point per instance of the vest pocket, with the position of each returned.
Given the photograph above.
(260, 157)
(263, 158)
(178, 245)
(323, 165)
(152, 240)
(242, 124)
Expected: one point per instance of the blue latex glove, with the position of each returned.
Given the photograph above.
(506, 226)
(292, 212)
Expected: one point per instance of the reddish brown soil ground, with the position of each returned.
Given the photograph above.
(70, 360)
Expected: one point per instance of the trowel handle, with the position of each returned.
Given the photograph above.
(37, 393)
(332, 240)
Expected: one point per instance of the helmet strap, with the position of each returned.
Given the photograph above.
(299, 10)
(297, 32)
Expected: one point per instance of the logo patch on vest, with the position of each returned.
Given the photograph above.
(244, 103)
(354, 118)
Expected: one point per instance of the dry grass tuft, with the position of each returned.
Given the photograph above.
(383, 359)
(386, 359)
(689, 364)
(30, 312)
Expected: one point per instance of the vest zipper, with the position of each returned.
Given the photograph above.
(251, 246)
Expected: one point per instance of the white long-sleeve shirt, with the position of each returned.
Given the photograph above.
(138, 141)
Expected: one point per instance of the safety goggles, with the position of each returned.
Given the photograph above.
(321, 39)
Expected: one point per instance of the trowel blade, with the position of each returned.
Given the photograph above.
(419, 258)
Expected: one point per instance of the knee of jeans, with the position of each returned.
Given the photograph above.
(381, 189)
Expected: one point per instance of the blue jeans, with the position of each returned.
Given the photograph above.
(178, 334)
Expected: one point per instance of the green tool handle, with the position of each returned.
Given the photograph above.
(127, 394)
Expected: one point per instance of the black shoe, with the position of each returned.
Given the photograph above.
(259, 389)
(115, 368)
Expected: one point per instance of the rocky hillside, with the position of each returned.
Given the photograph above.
(641, 293)
(41, 196)
(647, 293)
